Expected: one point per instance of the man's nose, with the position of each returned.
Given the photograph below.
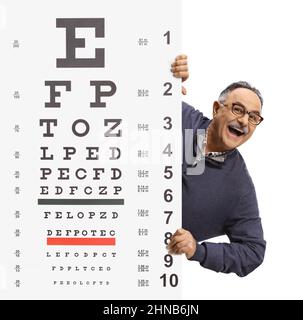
(244, 120)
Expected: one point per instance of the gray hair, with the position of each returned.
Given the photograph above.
(236, 85)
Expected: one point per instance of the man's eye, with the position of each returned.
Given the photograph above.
(238, 109)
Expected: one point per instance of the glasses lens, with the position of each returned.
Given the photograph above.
(254, 118)
(238, 110)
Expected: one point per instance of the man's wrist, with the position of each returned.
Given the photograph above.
(200, 253)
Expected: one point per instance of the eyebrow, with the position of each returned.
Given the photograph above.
(242, 105)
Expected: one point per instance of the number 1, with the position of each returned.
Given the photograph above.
(167, 35)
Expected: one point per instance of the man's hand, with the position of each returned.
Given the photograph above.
(179, 68)
(182, 242)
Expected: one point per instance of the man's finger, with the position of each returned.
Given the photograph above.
(179, 68)
(179, 63)
(179, 244)
(181, 74)
(182, 250)
(181, 231)
(178, 247)
(178, 231)
(176, 239)
(181, 56)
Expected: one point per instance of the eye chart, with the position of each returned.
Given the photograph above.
(90, 149)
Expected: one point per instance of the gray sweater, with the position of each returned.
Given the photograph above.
(221, 201)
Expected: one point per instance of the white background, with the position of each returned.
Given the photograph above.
(260, 42)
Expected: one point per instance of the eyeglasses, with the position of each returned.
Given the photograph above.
(239, 110)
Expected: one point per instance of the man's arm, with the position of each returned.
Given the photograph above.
(242, 255)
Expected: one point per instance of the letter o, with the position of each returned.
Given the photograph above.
(86, 131)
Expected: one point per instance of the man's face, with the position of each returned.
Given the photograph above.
(233, 130)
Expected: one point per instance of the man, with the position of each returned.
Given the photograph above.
(221, 200)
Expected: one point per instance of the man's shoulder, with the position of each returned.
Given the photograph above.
(190, 110)
(192, 118)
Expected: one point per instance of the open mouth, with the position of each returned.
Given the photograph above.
(235, 131)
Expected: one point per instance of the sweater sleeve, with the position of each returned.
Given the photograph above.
(246, 249)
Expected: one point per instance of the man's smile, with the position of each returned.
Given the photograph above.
(235, 131)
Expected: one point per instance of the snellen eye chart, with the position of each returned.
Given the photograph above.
(90, 149)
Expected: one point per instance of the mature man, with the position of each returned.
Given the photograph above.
(221, 200)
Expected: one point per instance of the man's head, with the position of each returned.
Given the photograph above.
(236, 115)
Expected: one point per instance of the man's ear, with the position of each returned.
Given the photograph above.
(216, 107)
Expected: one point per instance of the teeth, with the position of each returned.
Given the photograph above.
(237, 130)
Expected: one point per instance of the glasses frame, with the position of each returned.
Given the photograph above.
(246, 112)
